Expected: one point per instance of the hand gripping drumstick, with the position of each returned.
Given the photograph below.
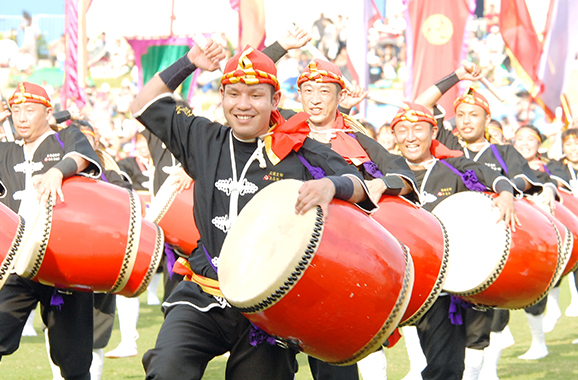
(201, 42)
(486, 83)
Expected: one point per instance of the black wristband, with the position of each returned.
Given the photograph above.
(344, 110)
(176, 73)
(393, 183)
(61, 116)
(520, 183)
(274, 51)
(68, 167)
(343, 187)
(448, 82)
(503, 185)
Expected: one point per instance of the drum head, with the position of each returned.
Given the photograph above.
(477, 244)
(265, 245)
(38, 221)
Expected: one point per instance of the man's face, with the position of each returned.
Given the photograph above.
(471, 121)
(414, 140)
(570, 148)
(248, 108)
(320, 100)
(31, 120)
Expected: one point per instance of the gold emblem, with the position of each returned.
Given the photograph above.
(437, 29)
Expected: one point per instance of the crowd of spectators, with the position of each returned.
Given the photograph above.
(107, 106)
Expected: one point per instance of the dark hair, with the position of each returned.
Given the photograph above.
(533, 129)
(570, 132)
(497, 124)
(369, 127)
(82, 125)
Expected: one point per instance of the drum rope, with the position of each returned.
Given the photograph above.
(391, 323)
(155, 262)
(44, 242)
(8, 262)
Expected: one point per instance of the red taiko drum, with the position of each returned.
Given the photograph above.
(173, 212)
(567, 212)
(426, 238)
(96, 240)
(335, 290)
(489, 264)
(11, 235)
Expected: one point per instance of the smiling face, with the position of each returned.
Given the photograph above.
(414, 140)
(320, 101)
(570, 148)
(527, 143)
(248, 108)
(471, 121)
(31, 120)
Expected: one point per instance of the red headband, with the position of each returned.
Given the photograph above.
(27, 92)
(250, 67)
(413, 112)
(473, 97)
(322, 72)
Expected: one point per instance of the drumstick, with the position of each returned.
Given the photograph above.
(316, 53)
(491, 88)
(202, 42)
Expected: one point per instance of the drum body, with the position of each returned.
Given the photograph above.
(426, 239)
(488, 264)
(335, 290)
(173, 212)
(11, 239)
(567, 212)
(96, 240)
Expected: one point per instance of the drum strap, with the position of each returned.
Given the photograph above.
(208, 285)
(469, 178)
(499, 158)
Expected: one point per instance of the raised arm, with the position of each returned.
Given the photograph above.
(206, 59)
(468, 71)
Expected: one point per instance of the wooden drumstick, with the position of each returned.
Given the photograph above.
(491, 88)
(202, 42)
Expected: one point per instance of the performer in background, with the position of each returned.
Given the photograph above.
(471, 136)
(31, 171)
(221, 160)
(440, 173)
(564, 172)
(104, 303)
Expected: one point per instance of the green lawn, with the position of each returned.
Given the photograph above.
(30, 361)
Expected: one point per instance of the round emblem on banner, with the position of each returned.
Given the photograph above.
(437, 29)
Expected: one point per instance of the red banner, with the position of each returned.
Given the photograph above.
(522, 43)
(436, 36)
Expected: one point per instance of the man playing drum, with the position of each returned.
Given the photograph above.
(322, 88)
(220, 159)
(472, 119)
(32, 171)
(440, 173)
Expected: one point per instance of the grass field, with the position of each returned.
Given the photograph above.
(30, 361)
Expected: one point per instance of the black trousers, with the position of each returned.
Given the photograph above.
(478, 327)
(538, 308)
(324, 371)
(189, 339)
(443, 344)
(70, 328)
(104, 309)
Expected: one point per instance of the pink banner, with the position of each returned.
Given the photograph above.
(71, 89)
